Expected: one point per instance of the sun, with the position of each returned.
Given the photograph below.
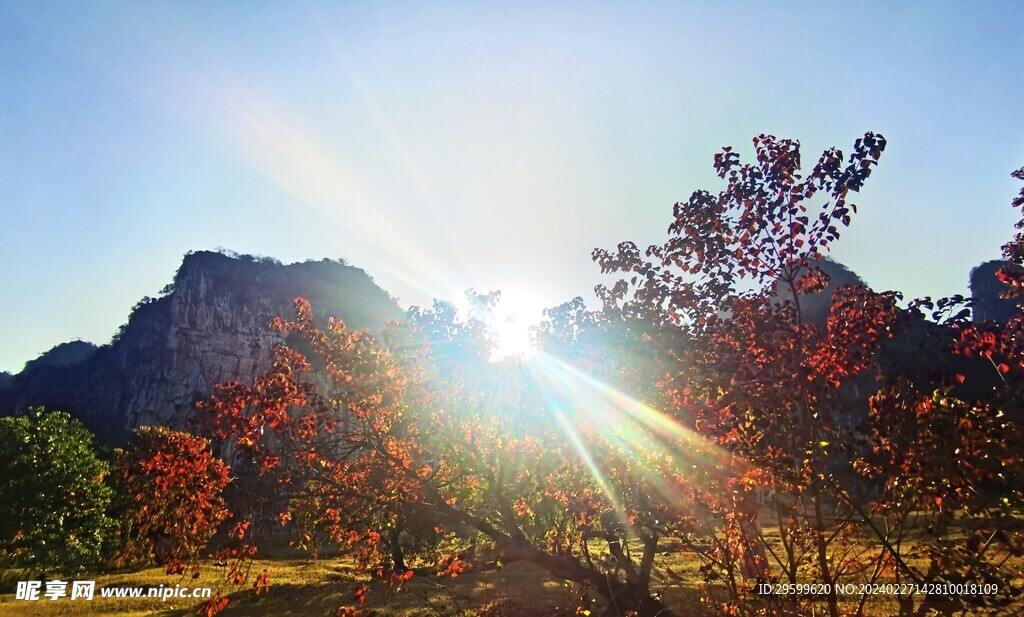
(512, 340)
(516, 313)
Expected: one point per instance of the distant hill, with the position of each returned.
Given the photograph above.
(64, 354)
(211, 326)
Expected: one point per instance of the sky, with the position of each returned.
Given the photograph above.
(446, 146)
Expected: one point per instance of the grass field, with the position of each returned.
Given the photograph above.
(316, 588)
(302, 587)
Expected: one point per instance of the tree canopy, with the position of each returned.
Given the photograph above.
(54, 495)
(715, 392)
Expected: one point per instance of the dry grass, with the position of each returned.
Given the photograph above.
(303, 588)
(313, 588)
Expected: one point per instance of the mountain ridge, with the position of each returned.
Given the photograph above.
(211, 325)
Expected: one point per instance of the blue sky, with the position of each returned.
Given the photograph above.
(444, 146)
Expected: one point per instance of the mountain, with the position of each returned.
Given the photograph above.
(986, 290)
(815, 306)
(210, 326)
(64, 354)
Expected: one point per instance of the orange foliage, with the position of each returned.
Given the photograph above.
(172, 487)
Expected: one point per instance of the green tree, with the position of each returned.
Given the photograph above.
(53, 500)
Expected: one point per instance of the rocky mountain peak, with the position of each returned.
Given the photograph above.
(211, 325)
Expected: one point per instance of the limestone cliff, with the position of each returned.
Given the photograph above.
(986, 290)
(815, 307)
(210, 327)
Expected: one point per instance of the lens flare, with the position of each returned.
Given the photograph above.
(656, 447)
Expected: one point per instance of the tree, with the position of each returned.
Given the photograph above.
(54, 496)
(1013, 251)
(948, 444)
(171, 487)
(779, 392)
(699, 398)
(759, 379)
(429, 431)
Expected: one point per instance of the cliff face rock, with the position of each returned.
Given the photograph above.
(211, 327)
(986, 289)
(815, 307)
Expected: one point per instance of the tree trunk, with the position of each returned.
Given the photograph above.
(622, 596)
(826, 571)
(513, 545)
(630, 600)
(397, 557)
